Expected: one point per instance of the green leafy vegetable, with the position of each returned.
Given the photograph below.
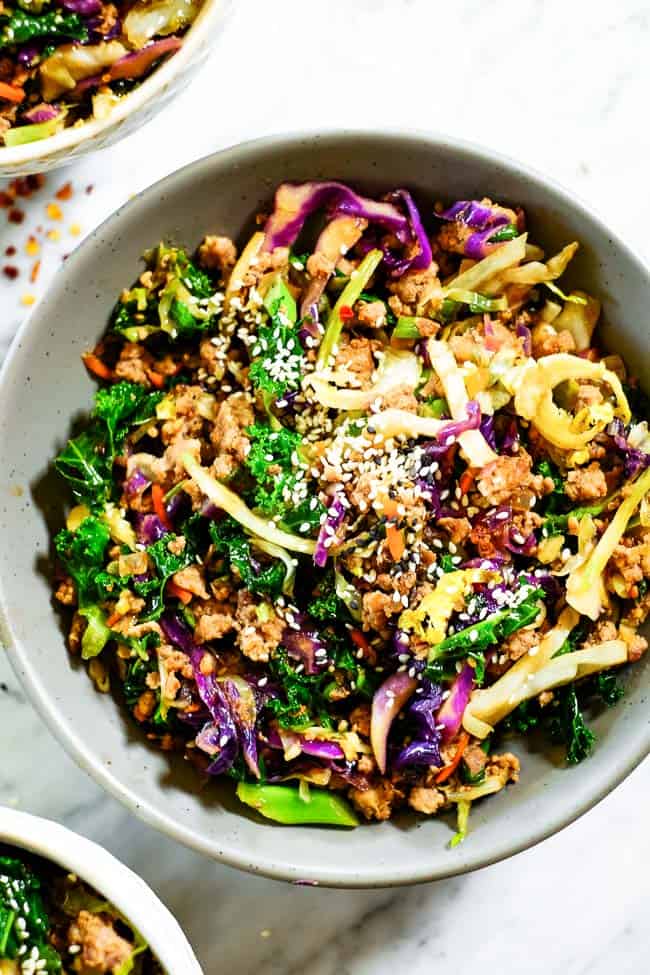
(84, 465)
(82, 554)
(86, 462)
(20, 885)
(326, 605)
(568, 726)
(608, 688)
(277, 358)
(122, 406)
(298, 699)
(272, 449)
(166, 564)
(558, 524)
(234, 545)
(493, 629)
(509, 232)
(20, 27)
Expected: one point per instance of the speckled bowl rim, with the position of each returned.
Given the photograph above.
(158, 80)
(233, 854)
(110, 877)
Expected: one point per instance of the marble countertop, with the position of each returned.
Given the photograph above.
(563, 86)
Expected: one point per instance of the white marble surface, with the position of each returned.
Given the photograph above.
(564, 86)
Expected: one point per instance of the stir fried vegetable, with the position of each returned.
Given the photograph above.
(340, 524)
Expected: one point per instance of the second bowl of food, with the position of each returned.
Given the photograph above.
(355, 533)
(67, 906)
(78, 77)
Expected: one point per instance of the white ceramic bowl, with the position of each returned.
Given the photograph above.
(43, 386)
(132, 111)
(126, 891)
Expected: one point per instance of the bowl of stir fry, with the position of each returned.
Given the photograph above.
(66, 906)
(80, 74)
(353, 532)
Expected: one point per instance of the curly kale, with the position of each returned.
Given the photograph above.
(234, 545)
(326, 605)
(122, 406)
(21, 27)
(298, 700)
(269, 450)
(86, 462)
(273, 463)
(30, 925)
(277, 358)
(82, 554)
(568, 726)
(83, 463)
(166, 563)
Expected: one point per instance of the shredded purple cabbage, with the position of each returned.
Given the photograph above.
(85, 8)
(305, 645)
(149, 528)
(635, 460)
(453, 428)
(138, 482)
(424, 749)
(329, 529)
(450, 715)
(484, 219)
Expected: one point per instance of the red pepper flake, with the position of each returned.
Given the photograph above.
(65, 192)
(34, 271)
(6, 199)
(10, 251)
(10, 272)
(346, 313)
(15, 215)
(28, 185)
(90, 188)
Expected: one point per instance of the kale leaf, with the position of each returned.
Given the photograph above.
(86, 462)
(26, 888)
(21, 27)
(233, 544)
(121, 406)
(296, 704)
(166, 564)
(84, 465)
(493, 629)
(326, 605)
(82, 554)
(271, 449)
(277, 354)
(568, 726)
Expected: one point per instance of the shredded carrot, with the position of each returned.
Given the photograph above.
(11, 93)
(33, 274)
(113, 619)
(95, 365)
(184, 595)
(466, 480)
(158, 498)
(360, 640)
(449, 770)
(389, 506)
(156, 379)
(395, 539)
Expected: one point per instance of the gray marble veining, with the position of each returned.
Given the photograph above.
(565, 87)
